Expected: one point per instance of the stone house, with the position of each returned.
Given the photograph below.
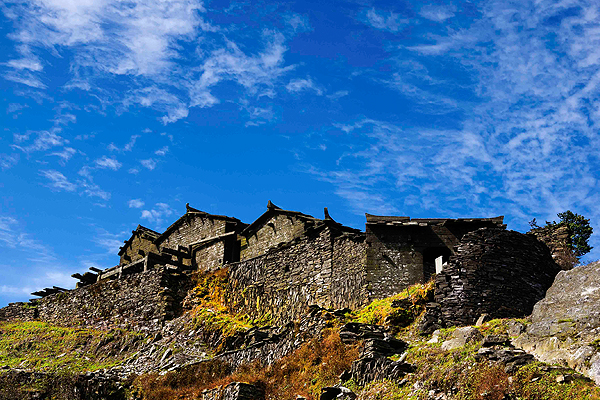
(286, 260)
(402, 251)
(138, 245)
(277, 226)
(200, 240)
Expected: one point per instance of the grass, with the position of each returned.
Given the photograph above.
(412, 301)
(45, 347)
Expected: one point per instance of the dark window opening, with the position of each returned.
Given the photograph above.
(429, 256)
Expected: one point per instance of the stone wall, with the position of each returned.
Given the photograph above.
(139, 301)
(556, 238)
(191, 228)
(402, 252)
(393, 263)
(132, 250)
(281, 228)
(348, 279)
(209, 257)
(318, 268)
(498, 272)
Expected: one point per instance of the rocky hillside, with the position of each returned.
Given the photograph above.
(386, 350)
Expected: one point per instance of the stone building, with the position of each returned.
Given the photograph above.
(201, 240)
(277, 226)
(498, 272)
(402, 251)
(140, 244)
(286, 260)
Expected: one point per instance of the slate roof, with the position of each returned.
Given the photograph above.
(272, 210)
(375, 220)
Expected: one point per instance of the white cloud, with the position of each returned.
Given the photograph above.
(159, 99)
(141, 40)
(93, 190)
(301, 85)
(128, 146)
(13, 236)
(44, 141)
(8, 161)
(438, 13)
(256, 73)
(299, 23)
(66, 154)
(110, 241)
(135, 203)
(107, 163)
(133, 171)
(162, 151)
(338, 95)
(386, 21)
(58, 181)
(157, 213)
(150, 163)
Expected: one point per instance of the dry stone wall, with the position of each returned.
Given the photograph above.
(210, 257)
(139, 301)
(393, 263)
(286, 280)
(498, 272)
(132, 253)
(193, 228)
(281, 228)
(348, 279)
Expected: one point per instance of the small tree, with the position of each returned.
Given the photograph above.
(579, 230)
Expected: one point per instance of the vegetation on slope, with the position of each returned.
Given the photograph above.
(209, 310)
(316, 364)
(45, 347)
(440, 374)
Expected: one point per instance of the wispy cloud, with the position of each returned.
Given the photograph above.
(162, 151)
(44, 141)
(107, 163)
(57, 181)
(145, 39)
(110, 242)
(301, 85)
(12, 235)
(149, 163)
(438, 13)
(127, 147)
(526, 145)
(388, 21)
(8, 161)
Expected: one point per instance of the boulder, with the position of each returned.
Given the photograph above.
(337, 392)
(367, 370)
(565, 325)
(461, 337)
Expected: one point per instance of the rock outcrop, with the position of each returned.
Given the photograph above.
(566, 324)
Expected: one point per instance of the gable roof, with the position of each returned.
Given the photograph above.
(141, 231)
(192, 213)
(273, 210)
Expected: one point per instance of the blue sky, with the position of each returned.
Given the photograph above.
(119, 113)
